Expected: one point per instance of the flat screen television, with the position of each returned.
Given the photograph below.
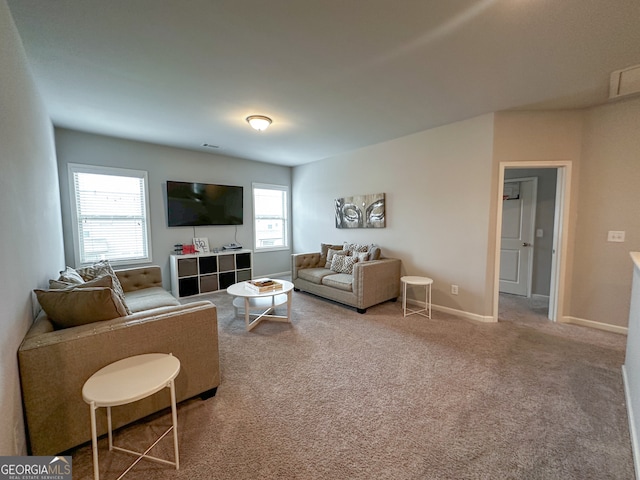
(197, 204)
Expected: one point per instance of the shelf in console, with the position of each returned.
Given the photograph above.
(197, 274)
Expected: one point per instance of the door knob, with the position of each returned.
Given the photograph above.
(526, 244)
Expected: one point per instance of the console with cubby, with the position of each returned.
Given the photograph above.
(209, 272)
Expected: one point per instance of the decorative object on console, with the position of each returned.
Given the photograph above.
(188, 249)
(201, 245)
(361, 211)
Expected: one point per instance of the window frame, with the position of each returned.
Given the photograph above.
(72, 169)
(285, 218)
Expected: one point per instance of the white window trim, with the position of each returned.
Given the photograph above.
(100, 170)
(283, 188)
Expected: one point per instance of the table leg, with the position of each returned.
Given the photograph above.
(246, 312)
(94, 441)
(404, 299)
(289, 297)
(174, 419)
(109, 430)
(429, 298)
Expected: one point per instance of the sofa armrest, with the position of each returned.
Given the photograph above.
(140, 277)
(55, 365)
(305, 260)
(376, 281)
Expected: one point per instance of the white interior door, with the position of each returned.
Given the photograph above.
(516, 247)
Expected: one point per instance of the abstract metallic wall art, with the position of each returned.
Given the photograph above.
(361, 211)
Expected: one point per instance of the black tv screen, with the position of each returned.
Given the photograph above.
(197, 204)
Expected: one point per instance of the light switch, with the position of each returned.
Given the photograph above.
(539, 233)
(615, 236)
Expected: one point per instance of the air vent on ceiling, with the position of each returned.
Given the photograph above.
(624, 82)
(208, 145)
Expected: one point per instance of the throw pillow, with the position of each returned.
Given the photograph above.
(103, 267)
(343, 263)
(361, 256)
(355, 247)
(82, 304)
(70, 275)
(58, 284)
(374, 252)
(332, 253)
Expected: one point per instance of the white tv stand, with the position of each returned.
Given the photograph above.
(197, 274)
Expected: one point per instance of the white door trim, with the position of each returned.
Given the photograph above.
(532, 228)
(558, 273)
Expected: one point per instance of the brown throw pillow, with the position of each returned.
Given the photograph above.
(92, 301)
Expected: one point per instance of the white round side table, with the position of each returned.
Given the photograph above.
(415, 280)
(127, 381)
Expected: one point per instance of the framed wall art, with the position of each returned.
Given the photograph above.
(361, 211)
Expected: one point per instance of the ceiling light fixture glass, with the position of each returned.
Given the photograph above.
(259, 122)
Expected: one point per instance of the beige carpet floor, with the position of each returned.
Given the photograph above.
(339, 395)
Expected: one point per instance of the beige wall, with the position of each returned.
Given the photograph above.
(442, 198)
(608, 199)
(30, 225)
(438, 188)
(524, 136)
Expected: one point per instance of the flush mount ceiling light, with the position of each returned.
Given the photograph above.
(259, 122)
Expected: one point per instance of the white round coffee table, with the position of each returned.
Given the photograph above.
(266, 302)
(127, 381)
(415, 280)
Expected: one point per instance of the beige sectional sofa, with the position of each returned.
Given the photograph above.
(370, 282)
(54, 364)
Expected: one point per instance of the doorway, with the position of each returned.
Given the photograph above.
(546, 254)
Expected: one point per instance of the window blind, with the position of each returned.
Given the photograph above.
(111, 217)
(270, 216)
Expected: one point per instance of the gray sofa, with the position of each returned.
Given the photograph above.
(54, 364)
(370, 283)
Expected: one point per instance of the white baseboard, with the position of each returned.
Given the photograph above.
(635, 441)
(453, 311)
(598, 325)
(277, 275)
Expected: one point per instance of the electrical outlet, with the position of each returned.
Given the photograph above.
(454, 289)
(615, 236)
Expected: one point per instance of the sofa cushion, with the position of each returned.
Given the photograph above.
(314, 275)
(148, 298)
(341, 281)
(98, 269)
(343, 263)
(90, 302)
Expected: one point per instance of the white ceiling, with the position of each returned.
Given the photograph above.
(335, 75)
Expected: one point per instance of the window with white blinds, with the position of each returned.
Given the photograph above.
(110, 214)
(270, 217)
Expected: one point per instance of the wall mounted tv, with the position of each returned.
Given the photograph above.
(198, 204)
